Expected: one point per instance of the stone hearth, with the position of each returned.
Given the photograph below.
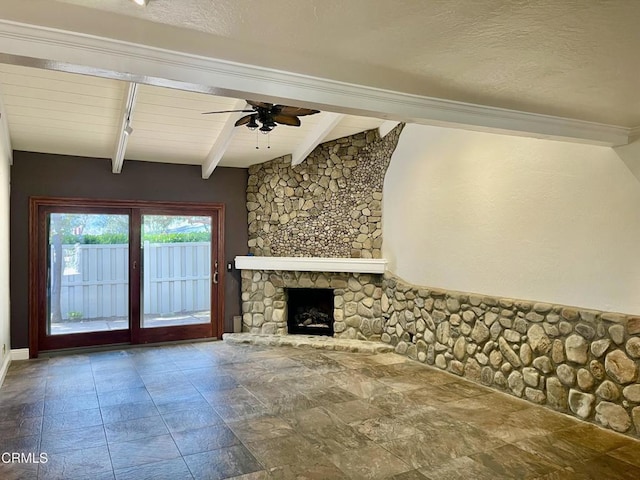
(357, 311)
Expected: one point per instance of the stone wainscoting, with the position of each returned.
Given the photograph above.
(357, 301)
(581, 362)
(328, 206)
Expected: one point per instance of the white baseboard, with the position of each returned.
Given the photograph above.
(4, 368)
(19, 354)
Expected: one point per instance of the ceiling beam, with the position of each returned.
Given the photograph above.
(5, 136)
(222, 141)
(42, 47)
(125, 129)
(315, 137)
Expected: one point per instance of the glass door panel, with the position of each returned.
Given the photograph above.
(88, 273)
(176, 270)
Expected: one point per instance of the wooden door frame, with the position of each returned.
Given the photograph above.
(36, 261)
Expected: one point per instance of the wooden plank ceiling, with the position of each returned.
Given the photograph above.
(70, 114)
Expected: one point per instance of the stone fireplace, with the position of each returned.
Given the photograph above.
(352, 290)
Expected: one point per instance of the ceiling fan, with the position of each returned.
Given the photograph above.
(269, 115)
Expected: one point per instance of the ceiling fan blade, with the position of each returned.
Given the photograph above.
(287, 120)
(259, 104)
(295, 111)
(227, 111)
(243, 121)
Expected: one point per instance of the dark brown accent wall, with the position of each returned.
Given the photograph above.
(35, 174)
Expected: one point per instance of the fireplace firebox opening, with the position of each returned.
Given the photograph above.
(310, 311)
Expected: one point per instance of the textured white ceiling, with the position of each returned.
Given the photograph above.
(572, 58)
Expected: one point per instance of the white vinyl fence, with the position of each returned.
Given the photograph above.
(176, 279)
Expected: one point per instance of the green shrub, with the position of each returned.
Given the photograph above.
(122, 238)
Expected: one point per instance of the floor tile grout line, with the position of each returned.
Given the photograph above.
(103, 426)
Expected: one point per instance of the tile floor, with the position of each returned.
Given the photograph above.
(213, 410)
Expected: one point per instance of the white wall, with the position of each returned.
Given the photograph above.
(4, 257)
(515, 217)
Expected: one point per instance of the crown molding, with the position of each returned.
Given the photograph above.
(81, 53)
(634, 134)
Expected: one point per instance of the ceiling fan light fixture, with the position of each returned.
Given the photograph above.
(252, 125)
(142, 3)
(265, 129)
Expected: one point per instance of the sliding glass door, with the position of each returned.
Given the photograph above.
(177, 274)
(135, 272)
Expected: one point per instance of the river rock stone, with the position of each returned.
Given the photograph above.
(534, 317)
(632, 393)
(557, 352)
(633, 325)
(480, 333)
(511, 336)
(569, 314)
(401, 348)
(499, 379)
(521, 325)
(620, 367)
(509, 354)
(581, 403)
(585, 380)
(542, 307)
(495, 330)
(534, 395)
(538, 340)
(543, 364)
(531, 376)
(635, 413)
(633, 347)
(597, 369)
(506, 322)
(486, 376)
(495, 358)
(566, 374)
(456, 367)
(616, 332)
(576, 349)
(459, 348)
(453, 305)
(526, 354)
(565, 328)
(613, 416)
(443, 333)
(556, 394)
(599, 347)
(587, 331)
(481, 358)
(472, 370)
(431, 354)
(608, 391)
(516, 383)
(441, 362)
